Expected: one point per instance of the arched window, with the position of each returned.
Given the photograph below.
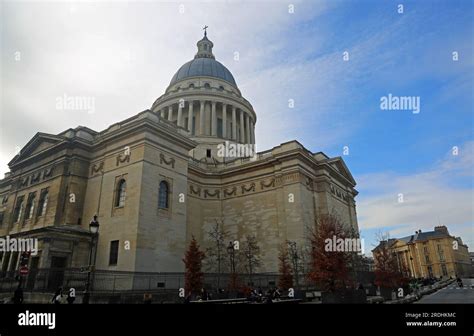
(207, 85)
(163, 195)
(120, 197)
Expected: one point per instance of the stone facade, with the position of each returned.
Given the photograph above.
(430, 254)
(117, 174)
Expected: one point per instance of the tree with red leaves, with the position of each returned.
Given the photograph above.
(193, 265)
(285, 280)
(329, 267)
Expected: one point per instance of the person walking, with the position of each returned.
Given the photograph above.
(58, 295)
(18, 296)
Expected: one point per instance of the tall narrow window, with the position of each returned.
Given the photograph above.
(18, 209)
(163, 194)
(113, 253)
(120, 197)
(43, 202)
(30, 205)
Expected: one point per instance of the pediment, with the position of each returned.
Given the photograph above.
(39, 143)
(339, 165)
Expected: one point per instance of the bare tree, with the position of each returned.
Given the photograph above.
(251, 253)
(387, 271)
(216, 255)
(295, 257)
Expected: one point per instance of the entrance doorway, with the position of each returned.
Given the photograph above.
(56, 274)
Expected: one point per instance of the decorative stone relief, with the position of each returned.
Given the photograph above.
(122, 158)
(194, 191)
(48, 172)
(245, 189)
(97, 167)
(171, 161)
(231, 192)
(35, 177)
(215, 194)
(264, 185)
(24, 181)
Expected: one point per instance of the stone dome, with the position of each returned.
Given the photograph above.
(204, 64)
(208, 67)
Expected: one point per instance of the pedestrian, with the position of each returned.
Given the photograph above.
(70, 297)
(58, 295)
(18, 296)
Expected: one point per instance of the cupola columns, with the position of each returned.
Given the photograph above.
(224, 120)
(190, 116)
(214, 119)
(202, 120)
(234, 124)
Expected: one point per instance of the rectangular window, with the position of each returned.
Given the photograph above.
(208, 153)
(30, 205)
(1, 218)
(113, 255)
(427, 257)
(18, 209)
(444, 269)
(430, 271)
(43, 203)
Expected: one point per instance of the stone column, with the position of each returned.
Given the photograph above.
(242, 132)
(213, 119)
(247, 128)
(170, 112)
(180, 113)
(252, 132)
(224, 121)
(190, 116)
(234, 124)
(162, 113)
(202, 126)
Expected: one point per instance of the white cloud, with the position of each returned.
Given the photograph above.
(442, 194)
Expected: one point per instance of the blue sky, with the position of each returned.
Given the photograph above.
(125, 53)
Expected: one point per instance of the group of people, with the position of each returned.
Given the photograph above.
(255, 295)
(56, 299)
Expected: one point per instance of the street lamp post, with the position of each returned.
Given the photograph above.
(231, 252)
(94, 230)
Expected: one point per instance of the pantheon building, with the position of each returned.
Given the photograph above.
(156, 179)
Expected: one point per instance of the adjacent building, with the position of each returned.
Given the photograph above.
(430, 254)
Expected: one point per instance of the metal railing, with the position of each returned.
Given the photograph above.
(49, 280)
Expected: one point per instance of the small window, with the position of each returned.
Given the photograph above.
(208, 153)
(207, 85)
(43, 202)
(221, 88)
(113, 254)
(191, 86)
(121, 193)
(1, 220)
(163, 195)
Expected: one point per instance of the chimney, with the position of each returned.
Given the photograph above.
(442, 228)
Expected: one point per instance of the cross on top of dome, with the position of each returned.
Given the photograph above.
(205, 46)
